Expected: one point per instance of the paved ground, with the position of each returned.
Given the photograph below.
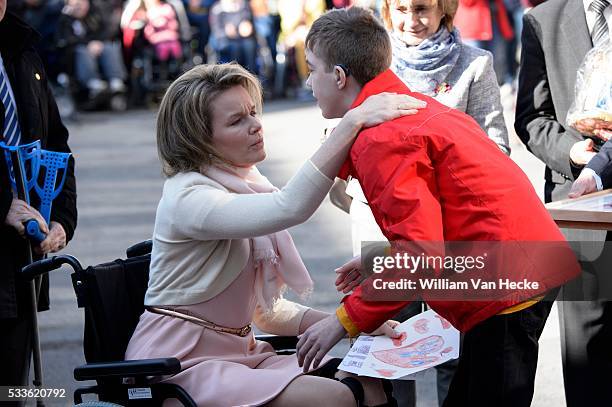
(119, 184)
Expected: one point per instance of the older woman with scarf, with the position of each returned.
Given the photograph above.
(429, 56)
(221, 254)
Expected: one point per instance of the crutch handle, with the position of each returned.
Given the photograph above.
(32, 231)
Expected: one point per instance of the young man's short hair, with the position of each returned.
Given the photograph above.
(354, 38)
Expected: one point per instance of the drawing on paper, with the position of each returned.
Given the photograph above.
(411, 352)
(443, 321)
(385, 372)
(354, 363)
(423, 352)
(421, 325)
(362, 350)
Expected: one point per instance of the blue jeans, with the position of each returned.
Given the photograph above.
(200, 21)
(109, 62)
(243, 51)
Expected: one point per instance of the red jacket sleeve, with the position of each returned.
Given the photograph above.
(399, 181)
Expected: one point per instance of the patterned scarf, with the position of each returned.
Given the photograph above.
(424, 67)
(276, 260)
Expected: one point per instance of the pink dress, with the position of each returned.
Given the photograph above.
(218, 369)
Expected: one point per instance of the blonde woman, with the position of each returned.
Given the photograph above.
(221, 254)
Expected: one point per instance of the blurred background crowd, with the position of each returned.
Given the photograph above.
(114, 54)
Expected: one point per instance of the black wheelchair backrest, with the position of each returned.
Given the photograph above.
(113, 297)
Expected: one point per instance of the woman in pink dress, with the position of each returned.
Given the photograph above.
(221, 256)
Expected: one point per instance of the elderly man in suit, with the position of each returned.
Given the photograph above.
(556, 36)
(27, 112)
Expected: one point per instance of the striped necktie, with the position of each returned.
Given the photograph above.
(600, 30)
(11, 131)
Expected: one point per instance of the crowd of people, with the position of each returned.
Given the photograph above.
(116, 47)
(420, 82)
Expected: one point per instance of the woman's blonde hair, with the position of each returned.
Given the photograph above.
(448, 8)
(184, 122)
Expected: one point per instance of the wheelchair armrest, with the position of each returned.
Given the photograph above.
(128, 368)
(280, 343)
(140, 249)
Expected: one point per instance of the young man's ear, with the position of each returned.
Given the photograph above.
(341, 77)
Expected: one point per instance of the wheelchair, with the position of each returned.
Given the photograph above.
(112, 296)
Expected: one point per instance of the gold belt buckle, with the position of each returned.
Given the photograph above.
(245, 330)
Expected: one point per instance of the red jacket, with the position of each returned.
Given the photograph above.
(436, 176)
(474, 20)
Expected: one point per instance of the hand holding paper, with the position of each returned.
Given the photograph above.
(424, 341)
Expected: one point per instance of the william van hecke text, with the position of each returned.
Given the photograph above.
(448, 284)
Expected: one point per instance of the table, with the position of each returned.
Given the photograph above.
(592, 211)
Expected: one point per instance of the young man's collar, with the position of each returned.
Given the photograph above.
(385, 82)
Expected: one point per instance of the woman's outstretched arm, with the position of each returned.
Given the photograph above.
(206, 213)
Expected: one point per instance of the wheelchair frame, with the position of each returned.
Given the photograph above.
(109, 324)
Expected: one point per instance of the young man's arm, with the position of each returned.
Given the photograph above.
(398, 178)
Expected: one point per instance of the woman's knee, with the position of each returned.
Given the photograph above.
(311, 390)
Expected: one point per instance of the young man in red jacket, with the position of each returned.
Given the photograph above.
(434, 177)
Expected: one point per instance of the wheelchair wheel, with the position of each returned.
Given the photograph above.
(97, 404)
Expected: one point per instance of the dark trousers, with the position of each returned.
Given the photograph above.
(498, 360)
(586, 328)
(15, 351)
(405, 390)
(586, 349)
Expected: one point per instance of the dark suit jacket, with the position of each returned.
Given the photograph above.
(38, 119)
(602, 164)
(555, 40)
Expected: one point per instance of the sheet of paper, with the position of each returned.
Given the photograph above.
(426, 340)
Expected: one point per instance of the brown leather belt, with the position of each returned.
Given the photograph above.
(191, 317)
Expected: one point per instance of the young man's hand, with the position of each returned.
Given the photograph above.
(388, 328)
(349, 275)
